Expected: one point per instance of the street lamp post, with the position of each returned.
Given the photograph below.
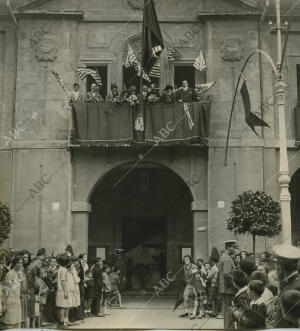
(284, 178)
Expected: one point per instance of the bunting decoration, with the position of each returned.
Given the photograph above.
(84, 72)
(172, 54)
(251, 119)
(153, 43)
(189, 117)
(200, 63)
(203, 88)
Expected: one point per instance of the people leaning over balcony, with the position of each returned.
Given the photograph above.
(168, 95)
(149, 94)
(186, 93)
(93, 96)
(113, 97)
(76, 95)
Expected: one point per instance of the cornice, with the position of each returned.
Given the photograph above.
(38, 14)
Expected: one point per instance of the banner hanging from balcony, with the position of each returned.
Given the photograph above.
(102, 125)
(178, 123)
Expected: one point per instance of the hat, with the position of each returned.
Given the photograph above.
(113, 85)
(132, 88)
(286, 251)
(168, 87)
(230, 242)
(291, 302)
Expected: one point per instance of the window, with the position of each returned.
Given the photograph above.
(184, 72)
(102, 70)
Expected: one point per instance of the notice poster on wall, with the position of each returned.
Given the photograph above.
(100, 252)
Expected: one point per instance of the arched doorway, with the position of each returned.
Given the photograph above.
(295, 207)
(148, 214)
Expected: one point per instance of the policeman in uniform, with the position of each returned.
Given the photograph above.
(288, 258)
(226, 287)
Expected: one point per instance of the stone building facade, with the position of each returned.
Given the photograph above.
(60, 195)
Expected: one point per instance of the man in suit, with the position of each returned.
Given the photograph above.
(289, 277)
(98, 280)
(185, 93)
(93, 96)
(226, 287)
(76, 96)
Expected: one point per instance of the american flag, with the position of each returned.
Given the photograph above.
(155, 71)
(200, 63)
(60, 81)
(132, 61)
(173, 54)
(84, 72)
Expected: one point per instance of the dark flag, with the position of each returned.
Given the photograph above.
(153, 43)
(251, 119)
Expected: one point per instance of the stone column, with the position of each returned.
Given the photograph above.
(80, 226)
(200, 229)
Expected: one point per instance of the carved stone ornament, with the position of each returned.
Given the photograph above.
(46, 50)
(136, 4)
(139, 4)
(231, 50)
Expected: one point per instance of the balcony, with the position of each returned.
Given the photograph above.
(110, 125)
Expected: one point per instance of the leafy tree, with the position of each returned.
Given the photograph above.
(254, 213)
(5, 222)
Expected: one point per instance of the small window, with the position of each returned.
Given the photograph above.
(184, 72)
(102, 70)
(144, 182)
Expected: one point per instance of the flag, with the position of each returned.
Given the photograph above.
(132, 61)
(173, 54)
(203, 88)
(155, 71)
(60, 81)
(153, 43)
(251, 119)
(200, 63)
(84, 72)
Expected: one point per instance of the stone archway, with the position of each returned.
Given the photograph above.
(148, 214)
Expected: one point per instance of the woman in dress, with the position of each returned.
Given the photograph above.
(11, 292)
(63, 295)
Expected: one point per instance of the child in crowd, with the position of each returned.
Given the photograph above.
(89, 293)
(106, 288)
(241, 300)
(256, 313)
(115, 287)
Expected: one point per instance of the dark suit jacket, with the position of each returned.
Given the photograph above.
(187, 96)
(89, 97)
(292, 283)
(98, 277)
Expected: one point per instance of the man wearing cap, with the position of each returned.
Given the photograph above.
(113, 97)
(226, 287)
(289, 277)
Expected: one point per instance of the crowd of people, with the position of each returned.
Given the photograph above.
(38, 290)
(149, 94)
(244, 292)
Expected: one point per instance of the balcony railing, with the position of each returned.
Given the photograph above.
(110, 125)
